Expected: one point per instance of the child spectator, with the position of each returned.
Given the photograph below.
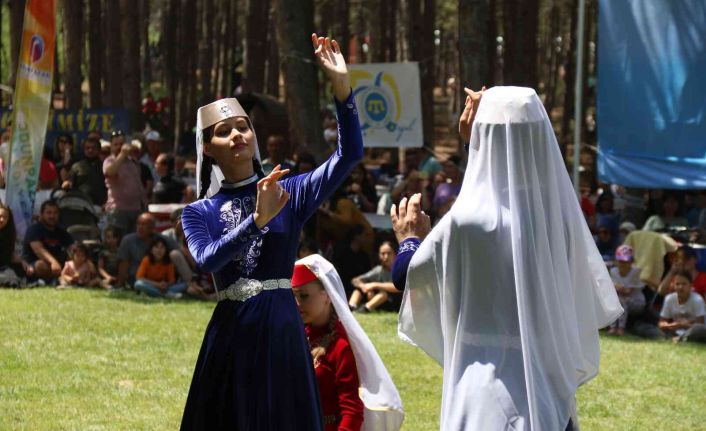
(682, 315)
(79, 271)
(684, 259)
(627, 282)
(156, 275)
(376, 285)
(108, 259)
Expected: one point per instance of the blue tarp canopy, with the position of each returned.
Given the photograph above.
(652, 93)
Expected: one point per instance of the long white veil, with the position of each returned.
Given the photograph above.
(383, 406)
(508, 291)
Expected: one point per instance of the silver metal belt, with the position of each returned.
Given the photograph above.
(246, 288)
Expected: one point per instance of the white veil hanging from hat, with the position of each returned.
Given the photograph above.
(207, 116)
(508, 290)
(383, 406)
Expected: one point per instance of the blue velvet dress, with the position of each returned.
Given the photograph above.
(254, 370)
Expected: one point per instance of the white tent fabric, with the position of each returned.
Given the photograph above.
(383, 406)
(207, 116)
(508, 290)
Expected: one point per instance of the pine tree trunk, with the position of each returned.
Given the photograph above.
(420, 42)
(256, 46)
(114, 55)
(569, 77)
(145, 42)
(168, 44)
(96, 51)
(17, 10)
(273, 66)
(473, 26)
(72, 12)
(342, 32)
(206, 51)
(294, 27)
(131, 60)
(522, 21)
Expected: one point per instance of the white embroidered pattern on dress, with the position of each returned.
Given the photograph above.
(233, 212)
(407, 246)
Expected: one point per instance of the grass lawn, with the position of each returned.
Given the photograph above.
(91, 360)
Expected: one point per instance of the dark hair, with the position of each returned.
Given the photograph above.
(390, 243)
(684, 273)
(309, 244)
(69, 140)
(8, 237)
(115, 230)
(49, 203)
(176, 214)
(606, 195)
(688, 252)
(208, 162)
(304, 157)
(158, 240)
(80, 246)
(92, 140)
(354, 232)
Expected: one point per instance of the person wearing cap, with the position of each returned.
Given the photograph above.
(126, 193)
(353, 397)
(151, 151)
(626, 278)
(508, 290)
(254, 371)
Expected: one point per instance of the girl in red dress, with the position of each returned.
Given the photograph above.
(355, 389)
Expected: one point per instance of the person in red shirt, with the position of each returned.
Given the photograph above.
(684, 259)
(334, 363)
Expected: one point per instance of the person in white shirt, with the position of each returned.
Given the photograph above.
(683, 312)
(629, 287)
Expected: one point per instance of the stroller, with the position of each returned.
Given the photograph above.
(77, 215)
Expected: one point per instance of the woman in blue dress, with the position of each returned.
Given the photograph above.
(254, 370)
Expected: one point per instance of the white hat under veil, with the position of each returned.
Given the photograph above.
(508, 290)
(207, 116)
(383, 406)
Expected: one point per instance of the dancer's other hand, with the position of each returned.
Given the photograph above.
(410, 221)
(465, 123)
(332, 62)
(271, 197)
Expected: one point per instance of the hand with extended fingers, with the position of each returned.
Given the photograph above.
(332, 62)
(271, 197)
(410, 222)
(465, 123)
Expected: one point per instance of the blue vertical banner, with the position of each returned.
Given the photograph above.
(652, 93)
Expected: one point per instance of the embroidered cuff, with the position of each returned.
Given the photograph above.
(409, 244)
(247, 231)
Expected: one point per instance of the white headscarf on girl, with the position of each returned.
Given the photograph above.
(383, 406)
(206, 117)
(508, 290)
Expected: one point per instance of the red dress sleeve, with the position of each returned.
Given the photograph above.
(347, 385)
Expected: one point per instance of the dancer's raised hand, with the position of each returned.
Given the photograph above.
(271, 197)
(332, 62)
(411, 221)
(469, 113)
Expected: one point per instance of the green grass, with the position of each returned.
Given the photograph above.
(90, 360)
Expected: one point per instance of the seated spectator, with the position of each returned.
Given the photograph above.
(46, 243)
(12, 267)
(305, 163)
(682, 315)
(135, 246)
(48, 176)
(606, 242)
(414, 182)
(156, 275)
(307, 247)
(684, 260)
(606, 216)
(200, 283)
(627, 282)
(445, 193)
(375, 286)
(669, 216)
(168, 189)
(360, 190)
(276, 154)
(86, 175)
(349, 257)
(64, 156)
(337, 217)
(80, 271)
(108, 257)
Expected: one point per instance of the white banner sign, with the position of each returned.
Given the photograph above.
(389, 103)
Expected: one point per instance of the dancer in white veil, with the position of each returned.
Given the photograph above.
(382, 404)
(508, 291)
